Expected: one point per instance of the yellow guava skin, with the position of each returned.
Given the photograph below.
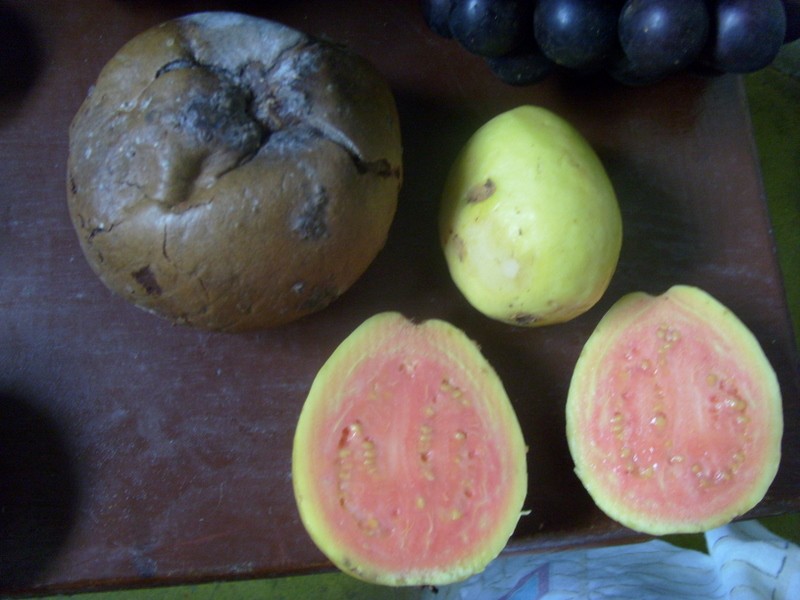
(529, 220)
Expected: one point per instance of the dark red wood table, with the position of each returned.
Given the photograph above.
(136, 452)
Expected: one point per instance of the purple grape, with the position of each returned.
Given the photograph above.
(437, 16)
(491, 28)
(577, 34)
(660, 37)
(746, 34)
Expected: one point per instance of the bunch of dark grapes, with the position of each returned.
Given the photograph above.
(637, 42)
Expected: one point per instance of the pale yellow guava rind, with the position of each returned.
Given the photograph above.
(600, 480)
(319, 412)
(529, 221)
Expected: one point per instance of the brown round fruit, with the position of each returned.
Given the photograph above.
(231, 173)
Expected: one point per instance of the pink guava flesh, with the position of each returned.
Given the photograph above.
(409, 462)
(678, 411)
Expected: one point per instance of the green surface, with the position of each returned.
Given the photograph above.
(329, 586)
(774, 98)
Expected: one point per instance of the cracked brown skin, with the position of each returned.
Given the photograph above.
(232, 174)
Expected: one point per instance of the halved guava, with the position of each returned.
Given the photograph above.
(409, 465)
(674, 414)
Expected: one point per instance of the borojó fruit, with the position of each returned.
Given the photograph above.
(409, 464)
(674, 414)
(529, 221)
(231, 173)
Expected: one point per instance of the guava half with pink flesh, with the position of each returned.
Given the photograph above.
(409, 464)
(674, 414)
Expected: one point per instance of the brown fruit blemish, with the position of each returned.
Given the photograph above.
(317, 298)
(525, 318)
(481, 192)
(178, 63)
(101, 228)
(147, 279)
(380, 167)
(311, 221)
(458, 243)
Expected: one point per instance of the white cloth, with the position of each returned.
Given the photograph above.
(745, 561)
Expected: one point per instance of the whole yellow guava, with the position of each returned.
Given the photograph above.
(529, 222)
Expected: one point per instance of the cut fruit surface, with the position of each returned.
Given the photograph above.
(409, 464)
(674, 414)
